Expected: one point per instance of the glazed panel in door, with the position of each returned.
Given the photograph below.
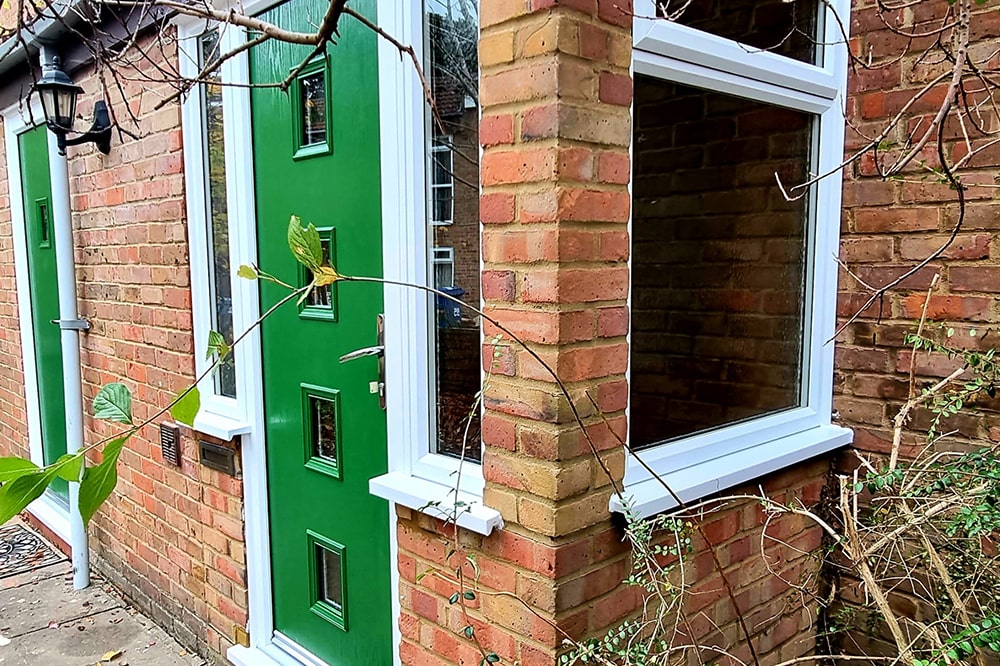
(36, 197)
(316, 153)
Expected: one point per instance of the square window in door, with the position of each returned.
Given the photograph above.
(322, 301)
(321, 429)
(311, 111)
(328, 573)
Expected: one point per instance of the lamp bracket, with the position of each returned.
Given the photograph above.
(99, 133)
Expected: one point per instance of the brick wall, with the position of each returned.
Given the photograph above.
(171, 538)
(556, 91)
(889, 225)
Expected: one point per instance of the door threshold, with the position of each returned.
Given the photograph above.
(280, 651)
(53, 513)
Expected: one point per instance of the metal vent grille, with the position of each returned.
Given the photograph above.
(170, 443)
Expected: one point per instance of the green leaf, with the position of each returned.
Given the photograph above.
(114, 403)
(12, 467)
(16, 495)
(186, 407)
(453, 599)
(247, 272)
(99, 480)
(68, 466)
(304, 242)
(217, 345)
(469, 595)
(469, 631)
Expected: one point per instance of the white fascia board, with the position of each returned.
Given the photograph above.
(648, 497)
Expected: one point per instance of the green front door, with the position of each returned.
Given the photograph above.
(316, 155)
(44, 288)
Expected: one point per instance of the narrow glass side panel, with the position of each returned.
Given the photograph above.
(216, 205)
(453, 222)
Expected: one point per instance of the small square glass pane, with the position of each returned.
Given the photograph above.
(313, 108)
(329, 572)
(322, 297)
(324, 426)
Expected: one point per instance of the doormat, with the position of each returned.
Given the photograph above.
(22, 550)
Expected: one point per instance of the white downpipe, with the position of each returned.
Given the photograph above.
(70, 338)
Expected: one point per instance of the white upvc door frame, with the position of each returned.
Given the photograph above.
(268, 647)
(18, 119)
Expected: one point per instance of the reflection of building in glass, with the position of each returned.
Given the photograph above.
(453, 213)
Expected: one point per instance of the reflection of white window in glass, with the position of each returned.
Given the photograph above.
(442, 180)
(217, 219)
(444, 267)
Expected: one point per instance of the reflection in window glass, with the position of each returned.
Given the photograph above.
(786, 27)
(453, 217)
(322, 297)
(718, 281)
(330, 571)
(313, 108)
(324, 425)
(215, 190)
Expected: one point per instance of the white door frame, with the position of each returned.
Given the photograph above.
(268, 647)
(17, 119)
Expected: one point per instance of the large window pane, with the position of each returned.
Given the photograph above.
(215, 192)
(786, 27)
(453, 217)
(718, 266)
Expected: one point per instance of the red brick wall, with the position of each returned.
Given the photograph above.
(556, 94)
(171, 538)
(890, 225)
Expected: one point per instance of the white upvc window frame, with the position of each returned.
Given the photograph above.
(443, 256)
(708, 462)
(220, 416)
(419, 477)
(443, 144)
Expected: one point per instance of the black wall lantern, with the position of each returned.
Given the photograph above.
(59, 96)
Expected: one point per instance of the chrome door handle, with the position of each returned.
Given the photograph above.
(377, 350)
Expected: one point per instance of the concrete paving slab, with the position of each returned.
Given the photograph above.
(50, 601)
(60, 569)
(85, 641)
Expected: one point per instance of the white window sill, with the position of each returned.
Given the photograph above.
(693, 481)
(223, 427)
(437, 500)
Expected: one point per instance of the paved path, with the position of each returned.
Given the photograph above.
(45, 622)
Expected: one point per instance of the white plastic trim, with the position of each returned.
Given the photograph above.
(218, 425)
(437, 500)
(692, 478)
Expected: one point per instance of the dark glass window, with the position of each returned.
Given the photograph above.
(718, 273)
(314, 108)
(786, 27)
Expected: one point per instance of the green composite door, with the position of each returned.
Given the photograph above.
(316, 155)
(36, 193)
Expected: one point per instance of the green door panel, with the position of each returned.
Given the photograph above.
(44, 288)
(316, 155)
